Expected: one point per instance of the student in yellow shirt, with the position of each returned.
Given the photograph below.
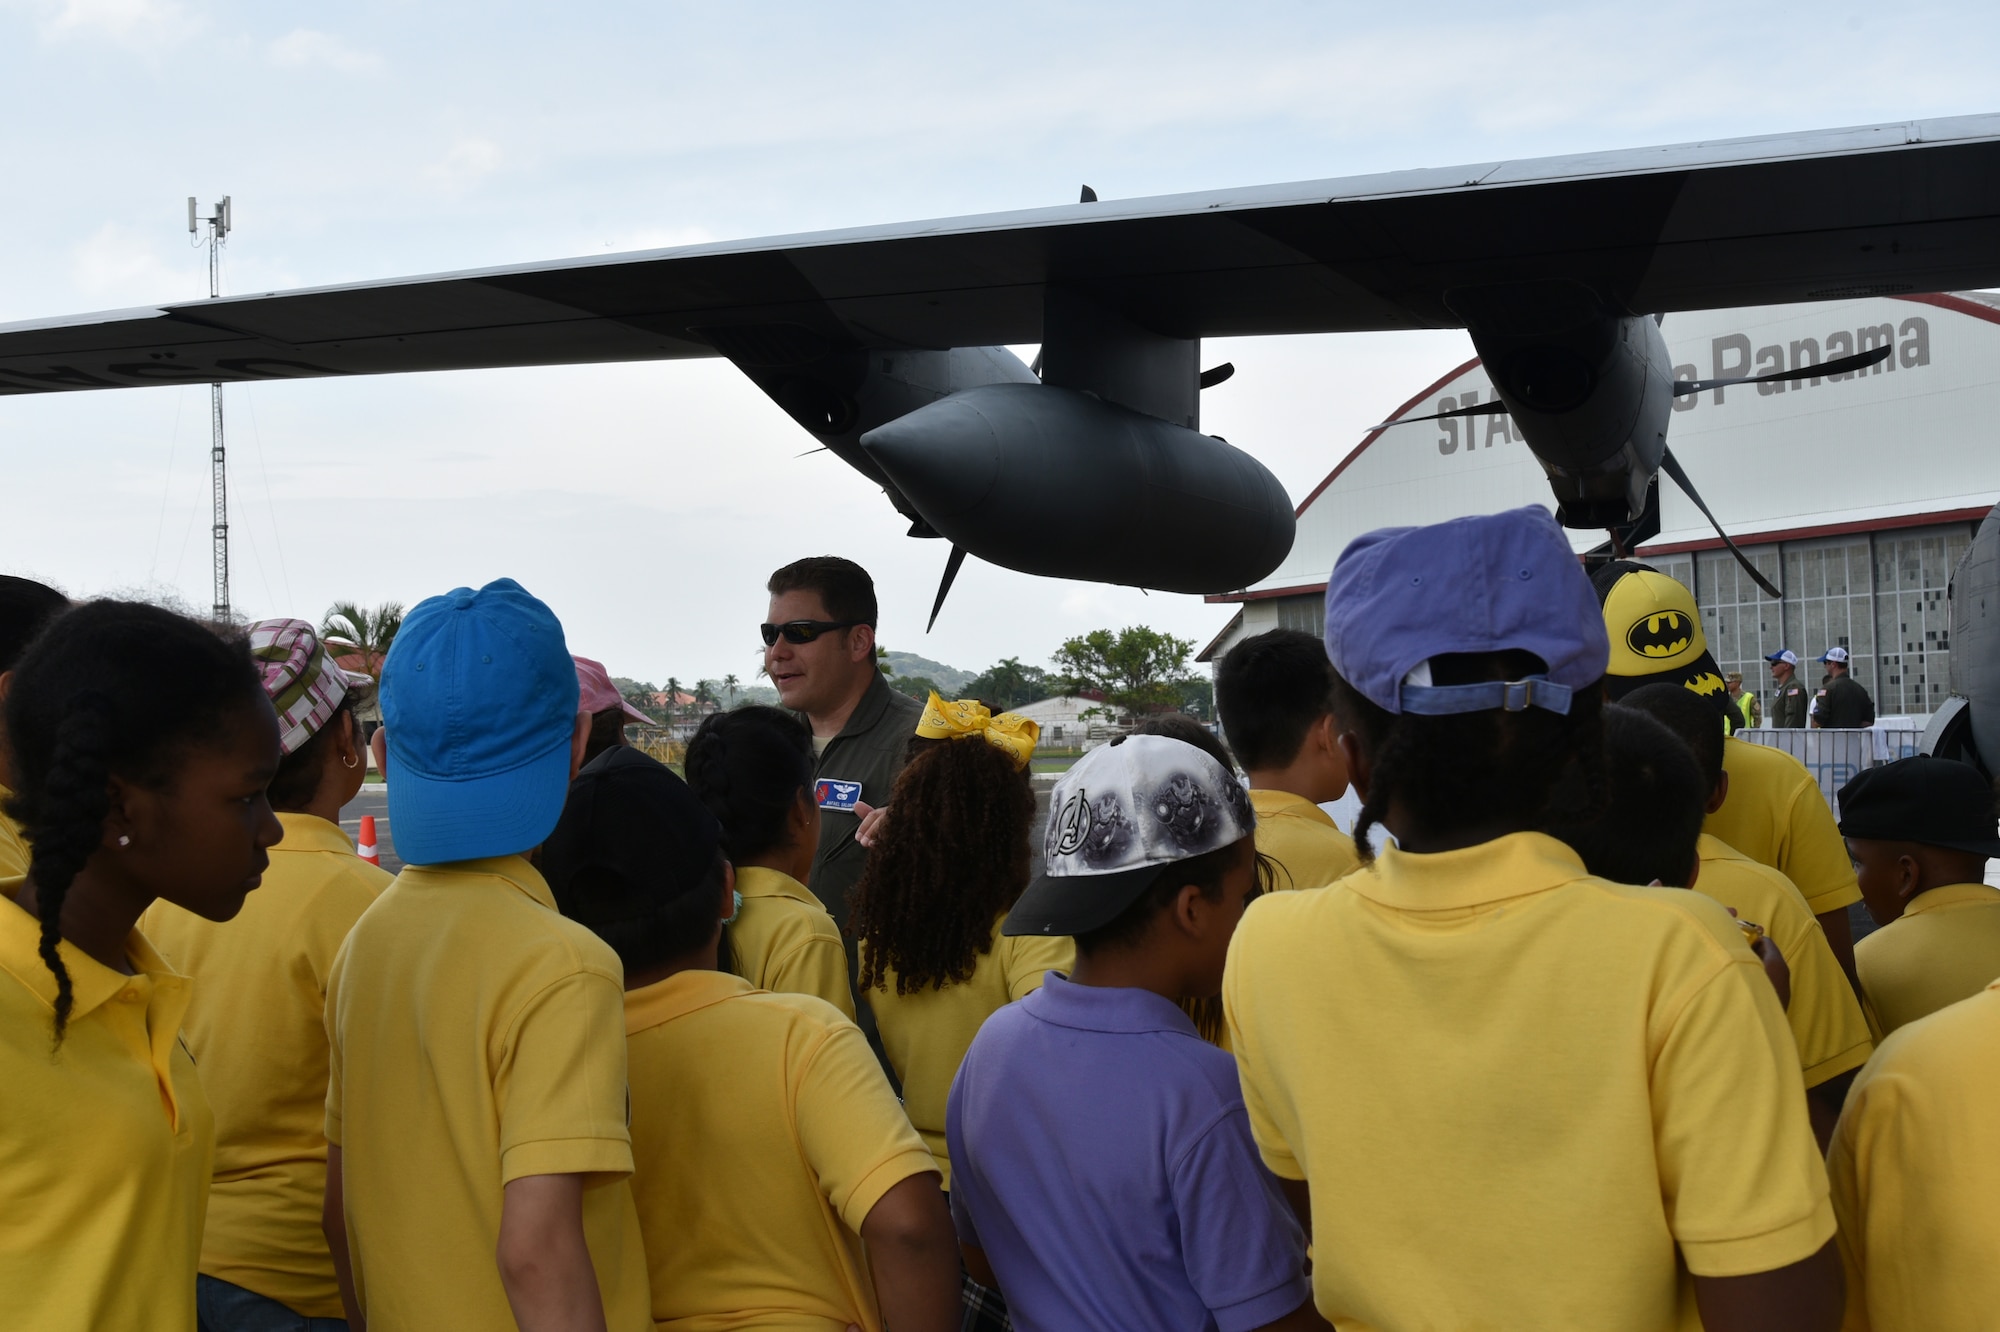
(25, 606)
(1921, 830)
(1824, 1014)
(1525, 1096)
(257, 1025)
(142, 744)
(1916, 1169)
(476, 1099)
(768, 1146)
(1777, 815)
(753, 768)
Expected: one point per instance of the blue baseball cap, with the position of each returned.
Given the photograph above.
(479, 697)
(1400, 596)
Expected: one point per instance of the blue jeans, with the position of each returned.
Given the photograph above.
(222, 1307)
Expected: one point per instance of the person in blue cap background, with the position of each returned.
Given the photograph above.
(476, 1101)
(1524, 1096)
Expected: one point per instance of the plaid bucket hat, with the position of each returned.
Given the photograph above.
(304, 684)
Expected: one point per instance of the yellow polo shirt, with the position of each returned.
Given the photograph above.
(14, 850)
(926, 1034)
(784, 941)
(104, 1143)
(764, 1133)
(1824, 1015)
(1943, 948)
(1777, 816)
(476, 1037)
(1303, 839)
(1915, 1165)
(257, 1027)
(1521, 1092)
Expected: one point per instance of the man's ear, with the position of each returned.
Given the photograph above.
(1721, 793)
(1187, 911)
(1359, 770)
(1909, 876)
(579, 740)
(861, 643)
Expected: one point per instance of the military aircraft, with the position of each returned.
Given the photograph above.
(888, 344)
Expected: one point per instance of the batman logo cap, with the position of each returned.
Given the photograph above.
(1655, 631)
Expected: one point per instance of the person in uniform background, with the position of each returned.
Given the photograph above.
(1776, 813)
(142, 746)
(257, 1024)
(1274, 694)
(1747, 706)
(1791, 701)
(752, 768)
(1915, 1169)
(1842, 704)
(1508, 1093)
(25, 606)
(819, 650)
(767, 1144)
(1921, 830)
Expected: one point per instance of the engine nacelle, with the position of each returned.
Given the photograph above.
(1057, 482)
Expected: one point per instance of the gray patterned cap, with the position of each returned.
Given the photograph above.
(1116, 819)
(304, 683)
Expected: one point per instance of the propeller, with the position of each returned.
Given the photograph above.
(1216, 374)
(1494, 408)
(951, 567)
(1839, 366)
(1672, 467)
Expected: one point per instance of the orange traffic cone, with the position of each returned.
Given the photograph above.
(367, 848)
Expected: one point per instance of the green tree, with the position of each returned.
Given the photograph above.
(673, 691)
(1135, 670)
(1008, 684)
(368, 633)
(916, 686)
(730, 684)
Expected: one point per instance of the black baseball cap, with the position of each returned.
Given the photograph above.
(1935, 801)
(632, 837)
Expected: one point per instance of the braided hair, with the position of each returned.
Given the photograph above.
(1518, 770)
(748, 766)
(952, 858)
(110, 689)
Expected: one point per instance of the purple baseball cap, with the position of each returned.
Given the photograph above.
(1400, 596)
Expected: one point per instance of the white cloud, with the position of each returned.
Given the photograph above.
(119, 264)
(465, 164)
(131, 22)
(304, 48)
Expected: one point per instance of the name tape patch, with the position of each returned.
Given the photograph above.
(832, 793)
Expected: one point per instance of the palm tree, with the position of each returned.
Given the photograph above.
(365, 633)
(730, 684)
(673, 699)
(704, 694)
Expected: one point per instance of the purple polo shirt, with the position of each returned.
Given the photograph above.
(1101, 1156)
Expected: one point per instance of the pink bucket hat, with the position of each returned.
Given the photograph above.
(304, 684)
(598, 694)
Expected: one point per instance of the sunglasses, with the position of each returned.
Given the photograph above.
(802, 631)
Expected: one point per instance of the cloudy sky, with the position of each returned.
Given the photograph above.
(647, 503)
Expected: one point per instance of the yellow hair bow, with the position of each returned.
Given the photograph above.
(968, 717)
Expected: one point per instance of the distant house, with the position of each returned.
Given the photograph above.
(1062, 721)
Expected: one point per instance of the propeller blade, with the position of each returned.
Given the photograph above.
(1216, 374)
(1036, 368)
(1477, 409)
(1840, 366)
(951, 566)
(1672, 467)
(1089, 195)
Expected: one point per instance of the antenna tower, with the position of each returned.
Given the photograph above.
(218, 225)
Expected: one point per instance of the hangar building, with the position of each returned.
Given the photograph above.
(1855, 494)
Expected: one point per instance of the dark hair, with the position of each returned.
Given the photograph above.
(1649, 826)
(1689, 716)
(643, 928)
(25, 606)
(951, 860)
(1179, 726)
(607, 731)
(845, 587)
(112, 688)
(748, 766)
(1205, 871)
(1501, 768)
(1269, 690)
(299, 772)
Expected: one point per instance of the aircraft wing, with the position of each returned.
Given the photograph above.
(1880, 209)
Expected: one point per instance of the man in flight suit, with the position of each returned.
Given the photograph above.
(1790, 699)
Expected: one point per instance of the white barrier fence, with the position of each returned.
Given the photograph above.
(1834, 757)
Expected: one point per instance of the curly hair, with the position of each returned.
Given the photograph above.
(952, 858)
(112, 688)
(1518, 770)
